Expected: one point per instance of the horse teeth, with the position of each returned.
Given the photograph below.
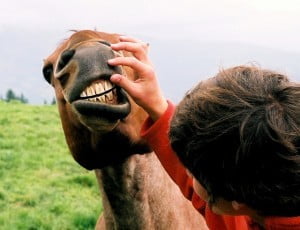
(110, 95)
(83, 94)
(93, 90)
(97, 87)
(108, 84)
(88, 92)
(101, 87)
(102, 98)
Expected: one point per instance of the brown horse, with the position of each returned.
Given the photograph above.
(101, 125)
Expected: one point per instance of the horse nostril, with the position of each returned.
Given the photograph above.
(65, 58)
(64, 79)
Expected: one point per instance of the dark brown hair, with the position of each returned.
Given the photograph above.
(238, 133)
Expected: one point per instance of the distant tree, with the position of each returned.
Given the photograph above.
(53, 101)
(23, 99)
(10, 95)
(45, 102)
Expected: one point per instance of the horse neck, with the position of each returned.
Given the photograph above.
(132, 190)
(138, 194)
(127, 191)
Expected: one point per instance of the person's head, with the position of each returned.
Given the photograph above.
(238, 133)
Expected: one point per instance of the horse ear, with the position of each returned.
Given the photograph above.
(47, 72)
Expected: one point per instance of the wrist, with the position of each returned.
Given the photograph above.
(158, 110)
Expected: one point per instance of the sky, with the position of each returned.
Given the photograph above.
(31, 29)
(268, 22)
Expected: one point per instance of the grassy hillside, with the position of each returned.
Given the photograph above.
(41, 186)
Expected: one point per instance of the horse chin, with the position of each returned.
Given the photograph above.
(99, 125)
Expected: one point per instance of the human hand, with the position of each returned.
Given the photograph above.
(144, 90)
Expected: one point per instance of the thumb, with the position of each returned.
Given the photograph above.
(123, 82)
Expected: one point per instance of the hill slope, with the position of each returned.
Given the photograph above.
(41, 186)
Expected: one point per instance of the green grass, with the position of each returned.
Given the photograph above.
(41, 186)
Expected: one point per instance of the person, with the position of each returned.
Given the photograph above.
(231, 144)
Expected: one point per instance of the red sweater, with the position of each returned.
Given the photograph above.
(156, 135)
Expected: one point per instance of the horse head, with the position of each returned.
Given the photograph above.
(100, 121)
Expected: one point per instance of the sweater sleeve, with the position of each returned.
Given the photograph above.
(156, 134)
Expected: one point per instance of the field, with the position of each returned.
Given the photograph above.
(41, 186)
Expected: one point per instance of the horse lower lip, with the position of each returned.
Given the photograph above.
(106, 111)
(102, 110)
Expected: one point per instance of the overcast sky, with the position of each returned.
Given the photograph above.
(268, 23)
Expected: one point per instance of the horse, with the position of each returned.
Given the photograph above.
(101, 124)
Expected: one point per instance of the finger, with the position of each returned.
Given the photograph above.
(125, 38)
(131, 62)
(124, 83)
(129, 46)
(139, 50)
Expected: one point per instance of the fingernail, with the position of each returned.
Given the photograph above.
(111, 61)
(116, 78)
(113, 46)
(123, 37)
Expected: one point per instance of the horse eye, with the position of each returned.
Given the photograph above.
(47, 72)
